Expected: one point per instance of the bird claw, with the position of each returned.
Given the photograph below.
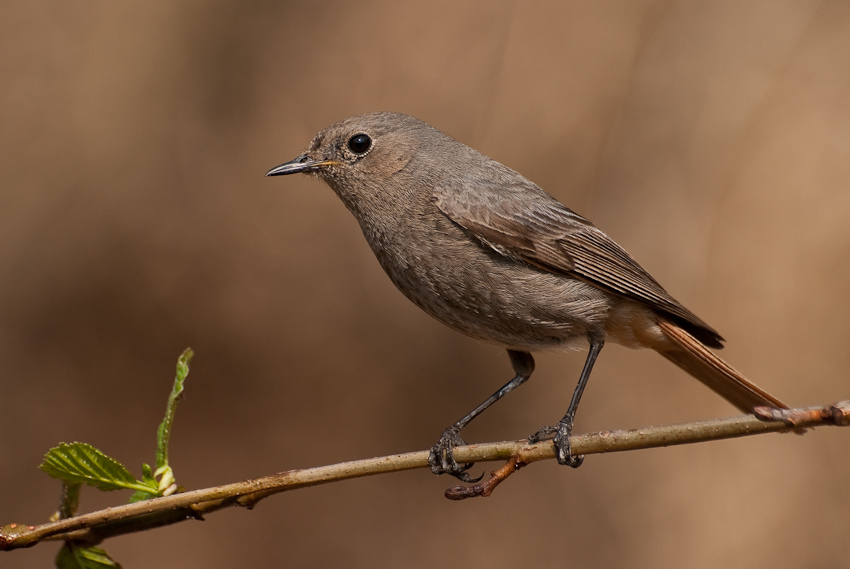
(441, 459)
(542, 434)
(563, 450)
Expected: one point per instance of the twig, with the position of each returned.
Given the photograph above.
(94, 527)
(485, 488)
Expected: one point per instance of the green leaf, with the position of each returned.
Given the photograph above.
(141, 496)
(147, 478)
(82, 463)
(73, 557)
(147, 475)
(164, 431)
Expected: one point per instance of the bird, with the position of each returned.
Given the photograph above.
(490, 254)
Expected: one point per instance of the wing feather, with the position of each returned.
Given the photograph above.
(518, 219)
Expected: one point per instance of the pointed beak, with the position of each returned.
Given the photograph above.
(301, 164)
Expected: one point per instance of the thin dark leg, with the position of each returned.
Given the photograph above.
(441, 459)
(562, 431)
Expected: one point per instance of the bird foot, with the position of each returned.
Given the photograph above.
(561, 440)
(563, 451)
(543, 434)
(441, 458)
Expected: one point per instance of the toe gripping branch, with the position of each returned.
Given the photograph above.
(442, 461)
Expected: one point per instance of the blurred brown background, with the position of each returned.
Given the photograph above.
(711, 139)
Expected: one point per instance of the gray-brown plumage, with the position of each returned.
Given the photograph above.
(490, 254)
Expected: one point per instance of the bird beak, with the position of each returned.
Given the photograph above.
(301, 164)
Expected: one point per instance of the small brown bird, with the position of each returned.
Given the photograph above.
(490, 254)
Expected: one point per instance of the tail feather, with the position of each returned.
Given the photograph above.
(692, 356)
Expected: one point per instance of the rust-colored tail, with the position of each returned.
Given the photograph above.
(692, 356)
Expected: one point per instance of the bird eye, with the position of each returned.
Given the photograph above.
(359, 143)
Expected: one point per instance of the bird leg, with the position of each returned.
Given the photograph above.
(562, 430)
(440, 459)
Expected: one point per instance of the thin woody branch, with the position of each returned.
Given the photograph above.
(140, 516)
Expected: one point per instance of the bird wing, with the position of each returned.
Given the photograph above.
(519, 220)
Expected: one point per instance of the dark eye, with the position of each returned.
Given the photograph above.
(359, 143)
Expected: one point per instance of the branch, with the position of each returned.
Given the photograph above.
(96, 526)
